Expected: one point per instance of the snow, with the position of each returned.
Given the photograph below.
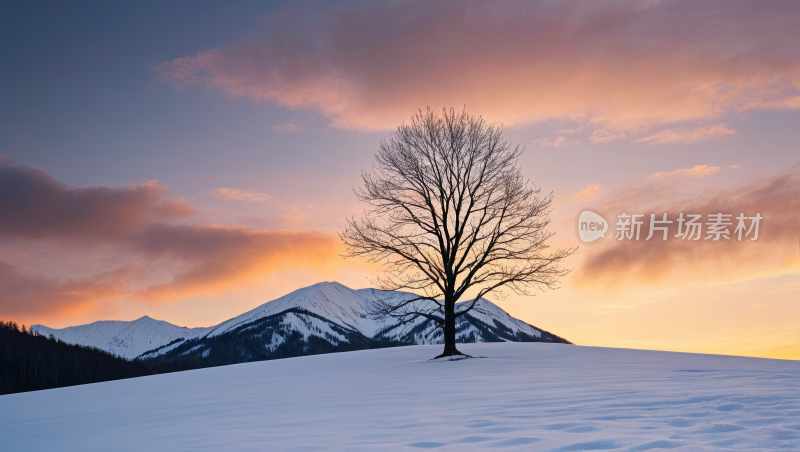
(521, 396)
(126, 339)
(330, 300)
(489, 311)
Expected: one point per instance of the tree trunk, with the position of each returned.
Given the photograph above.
(449, 330)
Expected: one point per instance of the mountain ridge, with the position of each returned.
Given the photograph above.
(321, 318)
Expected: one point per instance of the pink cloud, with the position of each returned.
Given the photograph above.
(217, 258)
(687, 135)
(556, 143)
(604, 136)
(624, 66)
(187, 260)
(677, 262)
(35, 205)
(287, 127)
(35, 295)
(122, 247)
(236, 194)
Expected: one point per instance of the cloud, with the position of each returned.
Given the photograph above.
(108, 246)
(218, 258)
(286, 127)
(620, 65)
(35, 205)
(687, 135)
(695, 172)
(166, 263)
(556, 143)
(590, 192)
(677, 262)
(26, 294)
(604, 136)
(239, 195)
(575, 130)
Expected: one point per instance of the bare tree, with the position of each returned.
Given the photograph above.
(451, 213)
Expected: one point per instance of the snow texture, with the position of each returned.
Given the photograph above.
(522, 396)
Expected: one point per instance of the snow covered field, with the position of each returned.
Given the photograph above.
(523, 396)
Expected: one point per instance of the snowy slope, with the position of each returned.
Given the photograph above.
(126, 339)
(486, 323)
(522, 396)
(331, 300)
(322, 318)
(348, 308)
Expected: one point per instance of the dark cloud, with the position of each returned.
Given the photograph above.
(35, 205)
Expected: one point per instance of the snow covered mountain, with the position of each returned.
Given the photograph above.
(126, 339)
(323, 318)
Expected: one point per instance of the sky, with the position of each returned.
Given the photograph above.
(192, 160)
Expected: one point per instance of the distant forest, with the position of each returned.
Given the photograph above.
(31, 361)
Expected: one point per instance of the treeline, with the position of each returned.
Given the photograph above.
(30, 361)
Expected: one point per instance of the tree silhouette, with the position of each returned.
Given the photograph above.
(451, 213)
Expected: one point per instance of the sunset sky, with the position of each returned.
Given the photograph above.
(191, 161)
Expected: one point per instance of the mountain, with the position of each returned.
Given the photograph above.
(323, 318)
(126, 339)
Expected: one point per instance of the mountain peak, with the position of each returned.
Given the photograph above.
(328, 310)
(328, 284)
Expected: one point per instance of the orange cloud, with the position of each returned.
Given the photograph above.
(217, 258)
(28, 295)
(129, 229)
(187, 260)
(622, 66)
(590, 192)
(695, 172)
(239, 195)
(677, 262)
(687, 135)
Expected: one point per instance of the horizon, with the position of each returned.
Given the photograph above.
(191, 163)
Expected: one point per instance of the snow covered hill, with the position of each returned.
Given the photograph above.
(521, 396)
(326, 317)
